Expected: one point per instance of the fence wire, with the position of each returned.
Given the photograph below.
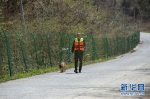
(23, 53)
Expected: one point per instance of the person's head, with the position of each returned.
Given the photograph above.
(78, 35)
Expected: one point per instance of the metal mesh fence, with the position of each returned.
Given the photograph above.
(23, 53)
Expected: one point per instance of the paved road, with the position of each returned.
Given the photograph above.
(97, 81)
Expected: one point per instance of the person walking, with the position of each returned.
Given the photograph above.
(78, 48)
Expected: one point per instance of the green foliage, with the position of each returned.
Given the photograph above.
(50, 26)
(69, 16)
(65, 16)
(138, 8)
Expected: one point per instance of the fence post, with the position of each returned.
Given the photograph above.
(138, 37)
(131, 41)
(111, 47)
(69, 47)
(115, 47)
(93, 48)
(60, 47)
(117, 39)
(23, 53)
(128, 46)
(105, 47)
(8, 53)
(138, 32)
(48, 45)
(124, 45)
(35, 49)
(134, 40)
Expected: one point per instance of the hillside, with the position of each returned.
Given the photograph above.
(49, 27)
(86, 16)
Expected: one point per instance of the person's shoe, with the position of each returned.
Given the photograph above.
(75, 71)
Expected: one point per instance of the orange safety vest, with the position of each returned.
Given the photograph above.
(78, 45)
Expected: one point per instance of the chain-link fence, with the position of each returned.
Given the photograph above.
(23, 53)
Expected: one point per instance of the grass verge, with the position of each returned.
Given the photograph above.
(47, 70)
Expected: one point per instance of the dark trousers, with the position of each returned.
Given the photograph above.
(78, 57)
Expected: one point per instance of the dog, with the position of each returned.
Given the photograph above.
(62, 67)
